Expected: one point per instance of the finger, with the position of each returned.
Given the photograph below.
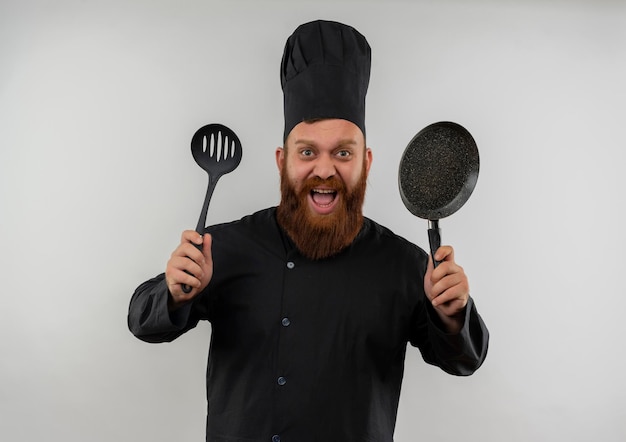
(445, 268)
(428, 284)
(207, 264)
(429, 268)
(180, 269)
(189, 245)
(191, 236)
(191, 252)
(185, 279)
(190, 280)
(451, 295)
(454, 286)
(446, 283)
(207, 242)
(179, 296)
(444, 253)
(178, 282)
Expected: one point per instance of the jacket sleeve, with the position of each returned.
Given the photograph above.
(149, 318)
(459, 354)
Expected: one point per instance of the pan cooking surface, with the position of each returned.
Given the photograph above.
(438, 171)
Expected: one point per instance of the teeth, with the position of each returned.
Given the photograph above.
(323, 191)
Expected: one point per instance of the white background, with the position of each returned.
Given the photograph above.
(98, 103)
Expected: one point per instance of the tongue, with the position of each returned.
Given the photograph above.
(323, 199)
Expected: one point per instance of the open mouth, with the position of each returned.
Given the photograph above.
(323, 198)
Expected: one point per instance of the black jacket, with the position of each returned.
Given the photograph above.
(303, 350)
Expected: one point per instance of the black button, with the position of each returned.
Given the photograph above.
(282, 381)
(290, 265)
(285, 322)
(276, 438)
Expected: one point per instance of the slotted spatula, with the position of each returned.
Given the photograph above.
(216, 149)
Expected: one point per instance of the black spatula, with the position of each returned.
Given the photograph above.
(216, 149)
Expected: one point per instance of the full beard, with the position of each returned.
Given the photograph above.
(321, 236)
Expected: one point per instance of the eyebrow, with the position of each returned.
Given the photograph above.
(344, 142)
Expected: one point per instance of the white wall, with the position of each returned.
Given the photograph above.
(98, 103)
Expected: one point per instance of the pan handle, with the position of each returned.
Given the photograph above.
(434, 238)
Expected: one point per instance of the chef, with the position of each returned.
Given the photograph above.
(312, 304)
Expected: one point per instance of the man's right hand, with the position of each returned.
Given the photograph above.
(190, 266)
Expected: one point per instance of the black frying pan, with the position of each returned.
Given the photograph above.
(438, 172)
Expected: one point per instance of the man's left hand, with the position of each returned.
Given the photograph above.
(447, 288)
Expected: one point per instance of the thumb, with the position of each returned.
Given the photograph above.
(428, 282)
(207, 242)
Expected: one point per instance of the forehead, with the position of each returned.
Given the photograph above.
(328, 132)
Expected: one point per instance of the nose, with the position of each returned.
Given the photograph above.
(324, 167)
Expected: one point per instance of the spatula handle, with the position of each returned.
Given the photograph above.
(202, 219)
(434, 239)
(205, 206)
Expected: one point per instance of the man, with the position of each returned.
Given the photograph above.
(311, 304)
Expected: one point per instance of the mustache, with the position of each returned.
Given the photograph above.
(332, 182)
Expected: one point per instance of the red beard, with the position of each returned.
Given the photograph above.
(321, 236)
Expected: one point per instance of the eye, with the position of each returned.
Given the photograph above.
(306, 152)
(344, 154)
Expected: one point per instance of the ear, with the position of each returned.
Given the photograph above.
(368, 159)
(280, 158)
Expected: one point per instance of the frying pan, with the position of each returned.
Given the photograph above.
(438, 173)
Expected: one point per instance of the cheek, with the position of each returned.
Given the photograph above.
(293, 176)
(351, 175)
(299, 173)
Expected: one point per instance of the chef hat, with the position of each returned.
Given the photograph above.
(324, 73)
